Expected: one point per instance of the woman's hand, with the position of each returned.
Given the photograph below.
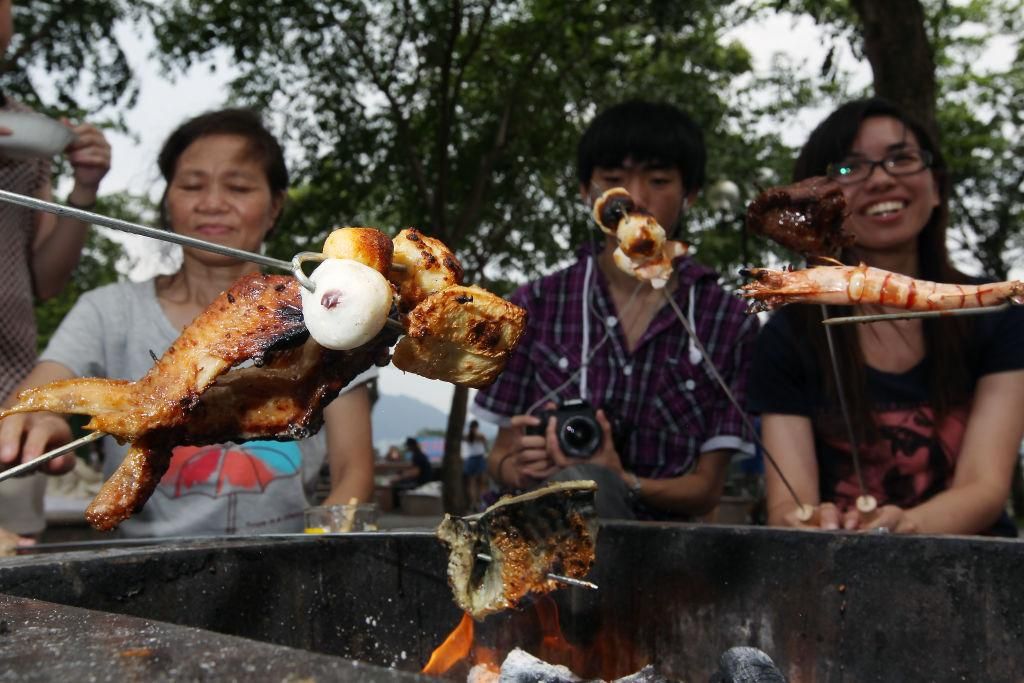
(525, 459)
(26, 436)
(888, 518)
(89, 156)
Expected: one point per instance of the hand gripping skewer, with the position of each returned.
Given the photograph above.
(294, 267)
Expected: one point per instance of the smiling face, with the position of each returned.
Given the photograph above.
(220, 193)
(887, 213)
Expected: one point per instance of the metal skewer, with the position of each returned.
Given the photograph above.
(881, 317)
(579, 583)
(136, 229)
(865, 502)
(710, 365)
(31, 465)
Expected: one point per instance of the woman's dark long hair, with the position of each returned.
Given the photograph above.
(944, 338)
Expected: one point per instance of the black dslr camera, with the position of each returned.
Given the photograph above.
(579, 433)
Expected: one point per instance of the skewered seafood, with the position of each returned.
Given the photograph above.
(849, 285)
(643, 251)
(806, 217)
(462, 334)
(525, 538)
(194, 394)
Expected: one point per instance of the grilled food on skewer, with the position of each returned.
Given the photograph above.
(197, 393)
(462, 334)
(806, 217)
(424, 266)
(643, 251)
(850, 285)
(552, 530)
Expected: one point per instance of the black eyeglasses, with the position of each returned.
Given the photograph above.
(903, 162)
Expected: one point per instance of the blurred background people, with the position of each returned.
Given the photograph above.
(226, 183)
(418, 473)
(474, 465)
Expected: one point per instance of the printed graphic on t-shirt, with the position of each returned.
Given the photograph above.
(227, 469)
(912, 460)
(224, 472)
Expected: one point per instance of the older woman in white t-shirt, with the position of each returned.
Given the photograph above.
(226, 183)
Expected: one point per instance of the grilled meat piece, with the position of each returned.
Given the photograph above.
(424, 266)
(552, 530)
(460, 334)
(643, 251)
(369, 246)
(806, 217)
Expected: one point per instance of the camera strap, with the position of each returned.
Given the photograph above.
(585, 314)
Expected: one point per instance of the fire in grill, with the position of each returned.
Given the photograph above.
(825, 607)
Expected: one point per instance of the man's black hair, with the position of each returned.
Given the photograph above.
(653, 133)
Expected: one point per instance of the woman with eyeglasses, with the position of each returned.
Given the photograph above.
(934, 404)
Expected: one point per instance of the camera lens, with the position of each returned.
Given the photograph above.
(580, 436)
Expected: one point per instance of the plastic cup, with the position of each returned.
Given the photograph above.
(340, 519)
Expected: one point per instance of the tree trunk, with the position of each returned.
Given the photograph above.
(453, 489)
(901, 56)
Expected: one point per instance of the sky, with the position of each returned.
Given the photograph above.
(163, 103)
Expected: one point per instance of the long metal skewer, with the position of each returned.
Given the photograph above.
(31, 465)
(710, 365)
(881, 317)
(865, 503)
(136, 229)
(579, 583)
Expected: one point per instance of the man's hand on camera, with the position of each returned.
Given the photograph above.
(606, 455)
(527, 460)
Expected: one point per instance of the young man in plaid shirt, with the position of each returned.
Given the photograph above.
(596, 333)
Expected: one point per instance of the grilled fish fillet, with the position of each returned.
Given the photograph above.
(550, 530)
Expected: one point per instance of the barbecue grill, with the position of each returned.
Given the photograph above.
(372, 607)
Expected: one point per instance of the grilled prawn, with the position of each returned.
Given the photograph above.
(850, 285)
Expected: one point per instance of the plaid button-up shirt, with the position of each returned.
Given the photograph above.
(665, 406)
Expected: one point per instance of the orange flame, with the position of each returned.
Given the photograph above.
(609, 656)
(453, 650)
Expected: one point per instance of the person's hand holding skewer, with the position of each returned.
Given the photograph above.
(26, 436)
(886, 519)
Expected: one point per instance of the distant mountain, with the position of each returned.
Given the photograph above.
(396, 416)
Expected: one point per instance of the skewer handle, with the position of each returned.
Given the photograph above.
(35, 463)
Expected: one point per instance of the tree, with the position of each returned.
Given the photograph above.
(65, 59)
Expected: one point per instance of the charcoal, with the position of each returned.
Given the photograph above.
(746, 665)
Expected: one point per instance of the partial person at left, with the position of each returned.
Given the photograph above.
(40, 252)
